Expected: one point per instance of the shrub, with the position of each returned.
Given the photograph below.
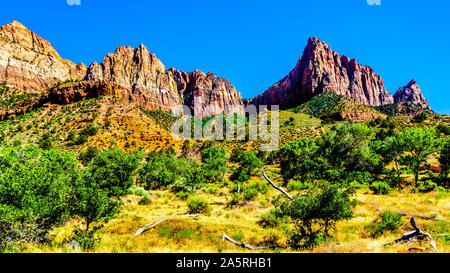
(388, 221)
(426, 186)
(88, 155)
(145, 201)
(248, 162)
(198, 205)
(139, 191)
(270, 219)
(214, 163)
(315, 213)
(296, 185)
(380, 187)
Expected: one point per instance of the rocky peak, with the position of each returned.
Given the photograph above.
(411, 93)
(30, 63)
(320, 70)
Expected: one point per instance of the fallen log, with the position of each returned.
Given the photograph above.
(276, 187)
(434, 218)
(244, 245)
(416, 235)
(154, 224)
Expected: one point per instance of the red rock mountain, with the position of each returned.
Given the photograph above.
(30, 63)
(411, 92)
(321, 69)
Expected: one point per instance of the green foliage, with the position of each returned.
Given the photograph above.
(421, 117)
(163, 170)
(145, 201)
(271, 218)
(443, 129)
(389, 221)
(315, 213)
(89, 130)
(46, 141)
(34, 189)
(444, 160)
(297, 185)
(248, 163)
(419, 143)
(214, 163)
(88, 155)
(299, 159)
(380, 187)
(113, 169)
(426, 186)
(198, 205)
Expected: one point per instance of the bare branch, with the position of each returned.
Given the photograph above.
(276, 187)
(154, 224)
(244, 245)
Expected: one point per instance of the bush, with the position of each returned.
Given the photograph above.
(315, 213)
(426, 186)
(88, 155)
(380, 188)
(198, 205)
(214, 163)
(113, 169)
(296, 185)
(145, 201)
(248, 162)
(139, 191)
(389, 221)
(271, 219)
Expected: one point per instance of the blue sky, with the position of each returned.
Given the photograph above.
(254, 43)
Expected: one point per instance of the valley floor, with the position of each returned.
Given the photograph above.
(201, 234)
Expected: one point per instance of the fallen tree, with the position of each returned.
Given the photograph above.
(417, 235)
(277, 187)
(154, 224)
(244, 245)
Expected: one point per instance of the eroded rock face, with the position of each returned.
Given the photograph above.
(217, 95)
(30, 63)
(141, 77)
(319, 70)
(73, 92)
(411, 93)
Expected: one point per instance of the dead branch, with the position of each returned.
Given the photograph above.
(276, 187)
(416, 235)
(244, 245)
(434, 218)
(154, 224)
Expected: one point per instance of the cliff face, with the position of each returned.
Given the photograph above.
(411, 93)
(30, 63)
(319, 70)
(217, 94)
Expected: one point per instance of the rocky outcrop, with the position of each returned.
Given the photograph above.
(320, 70)
(72, 92)
(216, 94)
(141, 77)
(30, 63)
(411, 93)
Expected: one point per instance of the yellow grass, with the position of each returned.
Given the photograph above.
(201, 234)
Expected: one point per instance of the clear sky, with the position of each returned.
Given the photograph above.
(254, 43)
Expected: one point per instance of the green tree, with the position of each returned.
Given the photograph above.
(444, 160)
(214, 163)
(248, 163)
(315, 213)
(419, 144)
(299, 159)
(113, 169)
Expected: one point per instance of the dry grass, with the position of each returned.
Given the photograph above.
(201, 234)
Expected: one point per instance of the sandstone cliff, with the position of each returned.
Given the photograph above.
(320, 70)
(411, 93)
(30, 63)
